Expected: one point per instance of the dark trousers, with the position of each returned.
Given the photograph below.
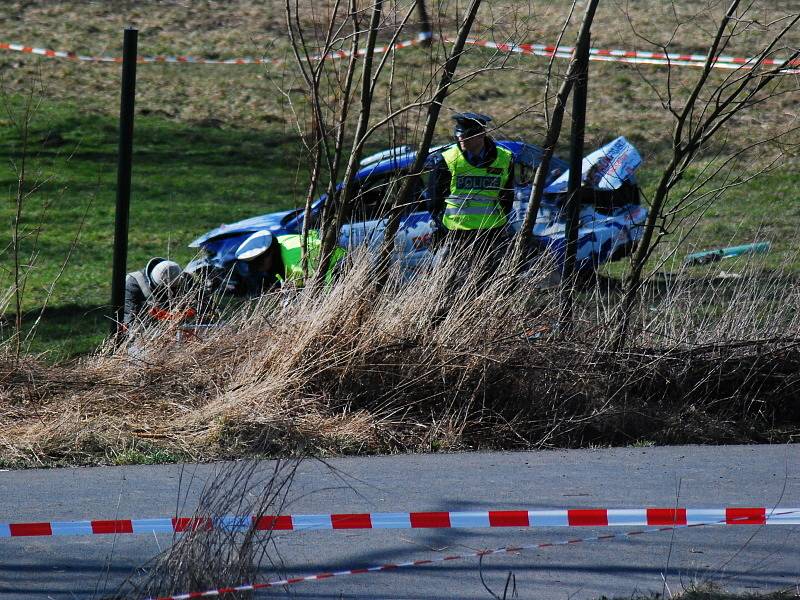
(474, 248)
(469, 255)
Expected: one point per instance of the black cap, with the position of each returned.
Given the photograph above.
(470, 123)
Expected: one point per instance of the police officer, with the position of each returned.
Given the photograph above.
(148, 292)
(471, 188)
(265, 261)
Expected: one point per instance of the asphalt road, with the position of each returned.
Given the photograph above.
(743, 558)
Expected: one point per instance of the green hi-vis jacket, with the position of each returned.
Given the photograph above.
(291, 247)
(474, 191)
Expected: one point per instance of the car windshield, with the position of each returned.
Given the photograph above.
(291, 216)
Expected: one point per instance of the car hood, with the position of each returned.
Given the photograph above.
(270, 222)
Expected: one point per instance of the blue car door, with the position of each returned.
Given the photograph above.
(369, 218)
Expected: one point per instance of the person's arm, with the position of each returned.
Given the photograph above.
(134, 301)
(438, 189)
(506, 195)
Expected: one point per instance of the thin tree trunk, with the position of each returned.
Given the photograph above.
(311, 193)
(668, 179)
(336, 160)
(16, 229)
(424, 22)
(434, 108)
(336, 208)
(524, 238)
(568, 279)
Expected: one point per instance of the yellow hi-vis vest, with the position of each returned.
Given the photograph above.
(291, 247)
(474, 191)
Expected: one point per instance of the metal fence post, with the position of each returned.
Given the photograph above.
(128, 94)
(574, 185)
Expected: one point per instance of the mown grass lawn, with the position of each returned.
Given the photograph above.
(186, 180)
(215, 143)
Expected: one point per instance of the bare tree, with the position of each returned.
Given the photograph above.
(709, 105)
(331, 120)
(312, 68)
(334, 210)
(26, 187)
(524, 238)
(434, 108)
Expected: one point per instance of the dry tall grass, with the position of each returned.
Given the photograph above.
(216, 550)
(424, 366)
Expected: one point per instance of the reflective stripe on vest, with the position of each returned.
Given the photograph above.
(291, 247)
(474, 191)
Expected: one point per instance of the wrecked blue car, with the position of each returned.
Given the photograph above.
(611, 215)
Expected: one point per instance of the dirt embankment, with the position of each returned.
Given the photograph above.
(416, 368)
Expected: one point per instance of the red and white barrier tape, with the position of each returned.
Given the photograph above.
(597, 54)
(252, 587)
(580, 517)
(634, 56)
(46, 52)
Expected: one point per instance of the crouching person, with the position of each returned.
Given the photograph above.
(151, 293)
(265, 262)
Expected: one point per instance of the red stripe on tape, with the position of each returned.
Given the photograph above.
(666, 516)
(587, 518)
(30, 529)
(115, 526)
(430, 520)
(351, 521)
(745, 516)
(274, 523)
(192, 524)
(508, 518)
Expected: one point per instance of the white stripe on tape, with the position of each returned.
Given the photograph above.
(391, 521)
(301, 522)
(72, 528)
(548, 518)
(152, 526)
(783, 519)
(469, 519)
(627, 517)
(696, 516)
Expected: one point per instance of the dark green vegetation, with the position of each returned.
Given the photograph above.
(190, 178)
(187, 179)
(214, 144)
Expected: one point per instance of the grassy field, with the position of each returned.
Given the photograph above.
(187, 179)
(214, 143)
